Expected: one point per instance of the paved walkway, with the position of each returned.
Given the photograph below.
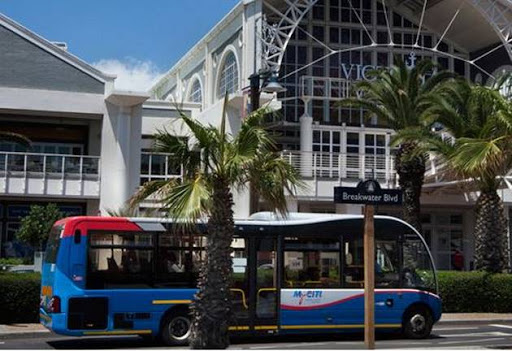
(475, 317)
(34, 329)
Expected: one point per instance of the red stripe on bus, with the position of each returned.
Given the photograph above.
(96, 223)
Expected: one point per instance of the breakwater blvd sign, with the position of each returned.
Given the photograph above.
(368, 192)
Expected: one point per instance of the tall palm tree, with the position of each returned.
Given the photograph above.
(479, 121)
(15, 138)
(400, 97)
(214, 163)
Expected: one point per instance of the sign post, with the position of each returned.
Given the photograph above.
(369, 278)
(368, 193)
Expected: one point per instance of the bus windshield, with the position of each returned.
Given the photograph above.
(418, 269)
(53, 244)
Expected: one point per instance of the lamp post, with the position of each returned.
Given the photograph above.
(263, 81)
(270, 85)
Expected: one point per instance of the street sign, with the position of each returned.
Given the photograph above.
(368, 192)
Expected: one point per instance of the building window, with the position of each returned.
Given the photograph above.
(196, 93)
(228, 82)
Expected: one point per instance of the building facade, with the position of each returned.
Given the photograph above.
(91, 143)
(319, 48)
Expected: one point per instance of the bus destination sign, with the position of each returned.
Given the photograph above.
(367, 192)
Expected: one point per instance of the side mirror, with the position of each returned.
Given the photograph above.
(78, 236)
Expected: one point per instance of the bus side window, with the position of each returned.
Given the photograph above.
(386, 264)
(312, 262)
(353, 269)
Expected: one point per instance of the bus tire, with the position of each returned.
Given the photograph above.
(417, 322)
(176, 329)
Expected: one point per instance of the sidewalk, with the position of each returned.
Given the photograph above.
(35, 330)
(452, 318)
(22, 330)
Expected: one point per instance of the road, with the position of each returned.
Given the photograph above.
(453, 336)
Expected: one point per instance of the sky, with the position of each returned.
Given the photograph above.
(138, 40)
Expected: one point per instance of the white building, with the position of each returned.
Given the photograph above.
(318, 47)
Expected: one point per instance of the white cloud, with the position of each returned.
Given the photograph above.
(132, 74)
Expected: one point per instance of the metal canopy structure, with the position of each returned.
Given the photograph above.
(499, 15)
(279, 24)
(282, 17)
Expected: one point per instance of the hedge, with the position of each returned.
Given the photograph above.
(19, 297)
(475, 292)
(460, 291)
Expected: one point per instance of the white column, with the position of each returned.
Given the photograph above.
(241, 198)
(120, 149)
(251, 51)
(306, 145)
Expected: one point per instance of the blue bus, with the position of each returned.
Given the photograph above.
(136, 276)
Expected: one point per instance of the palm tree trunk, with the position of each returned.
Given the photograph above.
(211, 310)
(490, 233)
(411, 172)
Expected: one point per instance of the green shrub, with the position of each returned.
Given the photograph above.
(475, 292)
(11, 261)
(19, 297)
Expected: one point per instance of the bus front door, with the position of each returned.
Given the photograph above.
(265, 296)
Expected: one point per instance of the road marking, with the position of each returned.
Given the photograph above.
(457, 328)
(501, 326)
(303, 344)
(473, 335)
(1, 342)
(471, 341)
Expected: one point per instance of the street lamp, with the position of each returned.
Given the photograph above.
(270, 85)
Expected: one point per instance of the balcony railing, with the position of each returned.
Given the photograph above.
(343, 166)
(49, 174)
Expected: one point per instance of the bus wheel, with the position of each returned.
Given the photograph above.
(176, 329)
(418, 323)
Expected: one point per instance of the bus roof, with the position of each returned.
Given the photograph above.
(260, 218)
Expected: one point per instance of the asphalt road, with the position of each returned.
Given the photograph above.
(453, 336)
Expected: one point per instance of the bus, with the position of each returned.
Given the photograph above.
(301, 274)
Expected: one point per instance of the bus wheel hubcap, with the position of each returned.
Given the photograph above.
(179, 328)
(418, 323)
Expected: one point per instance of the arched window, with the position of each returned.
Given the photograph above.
(196, 93)
(228, 81)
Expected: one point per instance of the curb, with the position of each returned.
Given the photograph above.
(28, 334)
(474, 321)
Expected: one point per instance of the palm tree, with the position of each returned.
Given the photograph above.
(400, 97)
(479, 121)
(15, 138)
(214, 163)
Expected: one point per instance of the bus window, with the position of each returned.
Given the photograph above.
(353, 260)
(120, 260)
(311, 263)
(52, 246)
(387, 273)
(266, 276)
(418, 271)
(178, 261)
(240, 280)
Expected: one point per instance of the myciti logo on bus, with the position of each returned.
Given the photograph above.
(309, 295)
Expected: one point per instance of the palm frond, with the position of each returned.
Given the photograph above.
(188, 201)
(274, 179)
(154, 188)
